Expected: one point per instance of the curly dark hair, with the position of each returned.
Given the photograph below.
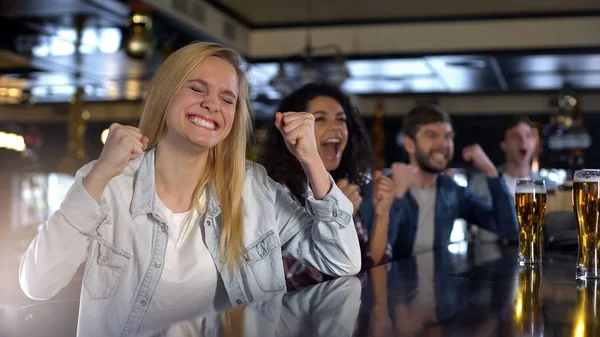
(356, 162)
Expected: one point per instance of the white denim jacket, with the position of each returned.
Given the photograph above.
(122, 239)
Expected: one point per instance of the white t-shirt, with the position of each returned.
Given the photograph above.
(425, 198)
(189, 284)
(511, 182)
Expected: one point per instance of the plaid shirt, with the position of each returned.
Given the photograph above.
(298, 275)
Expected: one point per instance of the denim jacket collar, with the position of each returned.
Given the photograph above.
(144, 191)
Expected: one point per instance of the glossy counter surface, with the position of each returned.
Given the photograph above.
(462, 291)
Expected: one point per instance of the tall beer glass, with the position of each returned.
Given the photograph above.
(586, 207)
(530, 204)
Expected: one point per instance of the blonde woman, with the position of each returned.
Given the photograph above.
(171, 219)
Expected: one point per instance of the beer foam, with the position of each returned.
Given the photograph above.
(591, 178)
(587, 179)
(587, 176)
(529, 189)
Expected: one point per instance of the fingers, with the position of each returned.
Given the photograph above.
(349, 190)
(114, 126)
(292, 136)
(468, 153)
(121, 131)
(129, 137)
(136, 150)
(402, 177)
(135, 134)
(380, 182)
(278, 120)
(384, 187)
(131, 128)
(293, 125)
(355, 190)
(385, 184)
(471, 148)
(342, 183)
(290, 116)
(356, 202)
(297, 121)
(144, 141)
(353, 195)
(284, 118)
(377, 175)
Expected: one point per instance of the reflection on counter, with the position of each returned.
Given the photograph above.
(528, 319)
(587, 313)
(327, 309)
(474, 290)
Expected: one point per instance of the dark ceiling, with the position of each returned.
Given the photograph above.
(37, 54)
(294, 13)
(458, 74)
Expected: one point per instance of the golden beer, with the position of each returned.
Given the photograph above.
(586, 204)
(530, 208)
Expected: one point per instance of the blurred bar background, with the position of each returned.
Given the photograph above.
(70, 68)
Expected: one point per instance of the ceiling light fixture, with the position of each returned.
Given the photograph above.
(334, 71)
(473, 63)
(140, 42)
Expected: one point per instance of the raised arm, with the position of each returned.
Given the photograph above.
(499, 217)
(61, 245)
(321, 235)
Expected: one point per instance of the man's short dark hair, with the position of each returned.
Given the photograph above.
(513, 121)
(421, 115)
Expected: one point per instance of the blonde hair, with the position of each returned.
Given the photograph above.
(225, 167)
(232, 322)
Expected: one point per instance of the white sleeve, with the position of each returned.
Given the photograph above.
(60, 247)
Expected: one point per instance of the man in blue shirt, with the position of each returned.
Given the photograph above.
(519, 144)
(428, 201)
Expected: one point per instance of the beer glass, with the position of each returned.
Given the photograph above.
(586, 207)
(530, 204)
